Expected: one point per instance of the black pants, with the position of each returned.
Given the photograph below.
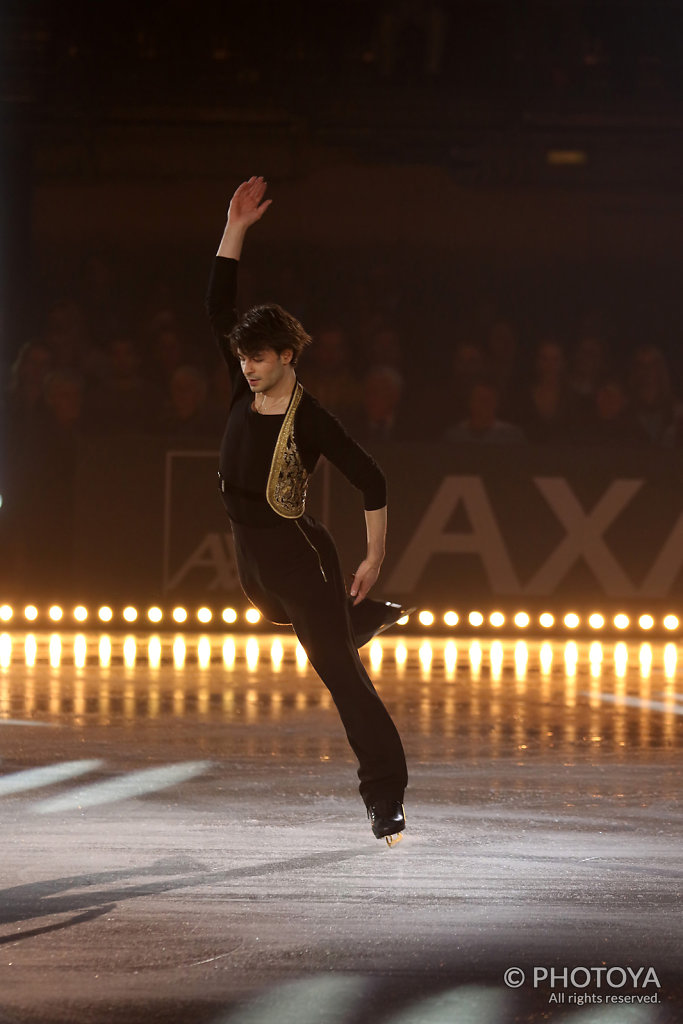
(291, 573)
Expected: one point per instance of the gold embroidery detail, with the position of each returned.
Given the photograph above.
(288, 477)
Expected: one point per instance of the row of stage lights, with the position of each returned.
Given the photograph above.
(230, 616)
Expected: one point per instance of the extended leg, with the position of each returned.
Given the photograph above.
(320, 616)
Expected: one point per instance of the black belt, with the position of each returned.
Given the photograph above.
(224, 485)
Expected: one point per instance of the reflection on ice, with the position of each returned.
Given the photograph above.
(485, 696)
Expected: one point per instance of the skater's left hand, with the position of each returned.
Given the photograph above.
(364, 578)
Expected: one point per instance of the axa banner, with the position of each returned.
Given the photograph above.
(466, 524)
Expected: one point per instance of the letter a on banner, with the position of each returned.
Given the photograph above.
(432, 538)
(666, 567)
(213, 554)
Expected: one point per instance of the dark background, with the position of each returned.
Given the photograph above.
(436, 169)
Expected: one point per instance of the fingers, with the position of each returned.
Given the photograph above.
(252, 189)
(255, 185)
(363, 580)
(262, 208)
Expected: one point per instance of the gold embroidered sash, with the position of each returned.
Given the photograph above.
(288, 478)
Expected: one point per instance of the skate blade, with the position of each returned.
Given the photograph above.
(393, 840)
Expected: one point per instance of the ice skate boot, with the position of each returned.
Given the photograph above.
(369, 618)
(388, 819)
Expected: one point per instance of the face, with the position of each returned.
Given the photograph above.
(381, 396)
(610, 400)
(187, 394)
(331, 350)
(265, 369)
(483, 407)
(549, 359)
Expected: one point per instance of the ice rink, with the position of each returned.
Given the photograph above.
(183, 840)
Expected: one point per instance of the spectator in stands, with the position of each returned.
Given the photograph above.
(651, 393)
(67, 337)
(611, 420)
(384, 349)
(444, 401)
(502, 358)
(482, 425)
(380, 417)
(126, 402)
(167, 354)
(588, 367)
(326, 371)
(188, 412)
(64, 399)
(546, 413)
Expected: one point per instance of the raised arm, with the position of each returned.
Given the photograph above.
(246, 207)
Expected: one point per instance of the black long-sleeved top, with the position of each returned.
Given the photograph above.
(249, 438)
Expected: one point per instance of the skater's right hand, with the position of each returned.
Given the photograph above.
(246, 206)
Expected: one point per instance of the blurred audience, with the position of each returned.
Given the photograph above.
(188, 411)
(545, 412)
(588, 367)
(380, 417)
(83, 371)
(326, 372)
(610, 420)
(127, 403)
(651, 392)
(482, 425)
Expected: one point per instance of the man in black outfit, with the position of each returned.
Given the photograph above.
(287, 561)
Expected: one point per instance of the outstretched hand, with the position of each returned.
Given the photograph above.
(247, 205)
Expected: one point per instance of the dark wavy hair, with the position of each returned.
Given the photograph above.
(268, 326)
